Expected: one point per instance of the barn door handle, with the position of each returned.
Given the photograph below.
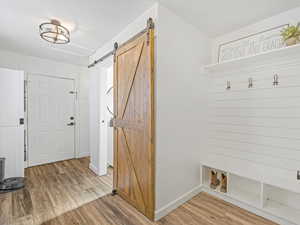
(112, 123)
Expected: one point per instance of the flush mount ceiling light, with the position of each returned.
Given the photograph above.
(54, 32)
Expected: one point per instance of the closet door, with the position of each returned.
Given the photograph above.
(133, 133)
(11, 128)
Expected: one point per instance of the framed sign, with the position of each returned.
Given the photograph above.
(252, 45)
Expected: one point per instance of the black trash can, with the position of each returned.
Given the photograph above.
(2, 169)
(9, 184)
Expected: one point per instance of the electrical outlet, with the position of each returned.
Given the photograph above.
(298, 175)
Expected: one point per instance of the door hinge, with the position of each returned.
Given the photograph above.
(25, 146)
(150, 26)
(25, 95)
(116, 46)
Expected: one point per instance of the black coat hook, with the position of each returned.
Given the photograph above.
(228, 85)
(275, 80)
(250, 82)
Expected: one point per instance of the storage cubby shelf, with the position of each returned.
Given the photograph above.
(246, 197)
(269, 199)
(206, 179)
(292, 51)
(283, 211)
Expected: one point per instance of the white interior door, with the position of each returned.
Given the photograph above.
(51, 112)
(11, 131)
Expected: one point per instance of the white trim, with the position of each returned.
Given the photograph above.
(160, 213)
(93, 168)
(83, 154)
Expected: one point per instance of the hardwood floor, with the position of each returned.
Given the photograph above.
(68, 193)
(52, 190)
(201, 210)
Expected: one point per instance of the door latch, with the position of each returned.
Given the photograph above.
(21, 121)
(71, 124)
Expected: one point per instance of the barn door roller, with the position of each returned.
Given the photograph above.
(150, 25)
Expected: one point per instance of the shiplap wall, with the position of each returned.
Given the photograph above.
(255, 132)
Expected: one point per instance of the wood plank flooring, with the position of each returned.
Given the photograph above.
(52, 190)
(68, 193)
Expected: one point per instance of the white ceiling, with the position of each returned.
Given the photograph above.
(216, 17)
(94, 22)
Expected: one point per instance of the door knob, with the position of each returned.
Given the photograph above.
(71, 124)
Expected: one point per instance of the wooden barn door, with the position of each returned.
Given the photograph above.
(133, 133)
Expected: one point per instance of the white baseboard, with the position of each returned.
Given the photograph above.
(93, 168)
(83, 154)
(160, 213)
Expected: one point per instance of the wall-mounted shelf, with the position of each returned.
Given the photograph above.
(266, 57)
(269, 199)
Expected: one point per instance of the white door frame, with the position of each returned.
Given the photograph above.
(76, 108)
(98, 122)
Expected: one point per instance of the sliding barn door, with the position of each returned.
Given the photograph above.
(133, 133)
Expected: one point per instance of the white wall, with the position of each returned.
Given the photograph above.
(97, 86)
(94, 119)
(128, 32)
(288, 17)
(34, 65)
(181, 99)
(83, 100)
